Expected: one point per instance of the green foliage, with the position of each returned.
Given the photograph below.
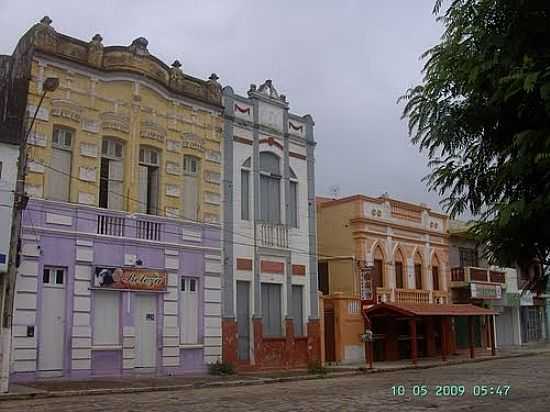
(482, 114)
(316, 368)
(221, 368)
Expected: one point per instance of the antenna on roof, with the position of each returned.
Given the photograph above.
(334, 191)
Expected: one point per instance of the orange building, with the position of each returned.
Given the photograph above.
(405, 246)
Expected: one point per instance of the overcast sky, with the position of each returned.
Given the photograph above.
(344, 62)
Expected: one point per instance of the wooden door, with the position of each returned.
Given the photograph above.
(330, 343)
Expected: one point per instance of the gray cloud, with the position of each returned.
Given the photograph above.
(344, 62)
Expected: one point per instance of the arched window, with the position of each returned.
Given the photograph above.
(378, 267)
(418, 271)
(293, 200)
(270, 188)
(399, 274)
(245, 190)
(435, 272)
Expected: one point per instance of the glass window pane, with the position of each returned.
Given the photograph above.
(245, 196)
(59, 276)
(46, 276)
(192, 285)
(118, 150)
(293, 205)
(183, 284)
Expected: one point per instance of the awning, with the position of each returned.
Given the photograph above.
(427, 309)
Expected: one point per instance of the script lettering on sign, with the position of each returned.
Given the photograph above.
(130, 279)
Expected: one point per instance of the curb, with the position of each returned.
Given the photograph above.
(251, 382)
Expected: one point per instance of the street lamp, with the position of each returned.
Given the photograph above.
(50, 84)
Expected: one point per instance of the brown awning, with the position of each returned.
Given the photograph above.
(427, 309)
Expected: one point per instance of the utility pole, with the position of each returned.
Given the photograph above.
(19, 203)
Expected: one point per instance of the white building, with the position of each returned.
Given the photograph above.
(270, 297)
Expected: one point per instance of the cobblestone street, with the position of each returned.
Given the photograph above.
(527, 376)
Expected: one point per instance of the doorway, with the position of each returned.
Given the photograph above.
(146, 330)
(52, 320)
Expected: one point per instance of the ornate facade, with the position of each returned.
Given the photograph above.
(121, 243)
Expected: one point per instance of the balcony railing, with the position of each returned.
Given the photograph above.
(272, 235)
(110, 225)
(148, 230)
(462, 275)
(385, 295)
(412, 296)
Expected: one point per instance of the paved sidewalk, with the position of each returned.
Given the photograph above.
(133, 384)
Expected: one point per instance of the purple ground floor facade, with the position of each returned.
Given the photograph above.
(104, 293)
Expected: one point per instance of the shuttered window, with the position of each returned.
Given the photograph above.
(270, 188)
(245, 194)
(111, 184)
(58, 175)
(435, 277)
(399, 275)
(148, 180)
(271, 309)
(418, 275)
(106, 316)
(298, 309)
(293, 205)
(378, 273)
(190, 192)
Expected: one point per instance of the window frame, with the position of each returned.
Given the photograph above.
(52, 279)
(63, 146)
(196, 160)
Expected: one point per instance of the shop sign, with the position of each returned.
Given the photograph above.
(526, 299)
(130, 279)
(485, 291)
(368, 289)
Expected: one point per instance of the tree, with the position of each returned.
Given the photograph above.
(482, 114)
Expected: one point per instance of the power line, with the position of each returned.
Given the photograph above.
(165, 231)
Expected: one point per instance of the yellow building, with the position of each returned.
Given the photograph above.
(123, 130)
(406, 244)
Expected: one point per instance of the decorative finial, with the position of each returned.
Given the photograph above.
(214, 77)
(283, 97)
(252, 87)
(139, 46)
(176, 64)
(97, 38)
(46, 20)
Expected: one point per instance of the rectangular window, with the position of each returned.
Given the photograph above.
(111, 184)
(245, 195)
(53, 276)
(148, 176)
(399, 275)
(190, 165)
(189, 311)
(323, 277)
(58, 175)
(418, 276)
(435, 277)
(1, 170)
(106, 315)
(62, 138)
(293, 205)
(270, 199)
(468, 257)
(298, 310)
(271, 309)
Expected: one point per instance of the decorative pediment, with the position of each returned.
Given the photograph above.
(66, 109)
(268, 89)
(152, 130)
(115, 121)
(192, 141)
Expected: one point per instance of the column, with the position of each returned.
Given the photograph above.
(81, 346)
(212, 308)
(170, 330)
(493, 334)
(471, 336)
(414, 349)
